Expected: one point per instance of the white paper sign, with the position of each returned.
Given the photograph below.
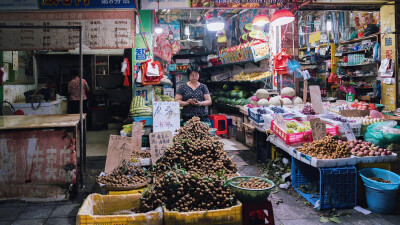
(15, 60)
(166, 116)
(316, 101)
(348, 131)
(278, 120)
(169, 92)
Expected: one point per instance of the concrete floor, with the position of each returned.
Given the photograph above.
(289, 208)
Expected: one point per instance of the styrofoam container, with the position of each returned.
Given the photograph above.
(324, 162)
(376, 159)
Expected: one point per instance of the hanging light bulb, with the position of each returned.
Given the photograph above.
(282, 17)
(215, 23)
(158, 29)
(260, 20)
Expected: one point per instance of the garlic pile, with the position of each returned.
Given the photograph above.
(366, 120)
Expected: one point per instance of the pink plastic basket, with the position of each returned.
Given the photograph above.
(332, 129)
(291, 139)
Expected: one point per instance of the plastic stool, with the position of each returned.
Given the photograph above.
(217, 123)
(255, 214)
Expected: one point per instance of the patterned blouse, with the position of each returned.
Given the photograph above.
(188, 93)
(73, 89)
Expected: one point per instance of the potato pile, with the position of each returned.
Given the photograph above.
(141, 154)
(182, 191)
(194, 150)
(326, 148)
(124, 176)
(254, 183)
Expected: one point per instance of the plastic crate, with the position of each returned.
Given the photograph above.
(232, 131)
(149, 120)
(334, 187)
(290, 139)
(332, 129)
(228, 216)
(131, 192)
(99, 209)
(256, 117)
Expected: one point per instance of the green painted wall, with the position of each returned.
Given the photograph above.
(146, 18)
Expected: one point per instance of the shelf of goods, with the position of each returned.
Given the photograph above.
(360, 39)
(230, 65)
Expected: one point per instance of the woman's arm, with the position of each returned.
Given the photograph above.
(178, 98)
(207, 100)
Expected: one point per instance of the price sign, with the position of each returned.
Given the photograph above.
(119, 149)
(137, 136)
(166, 116)
(316, 100)
(279, 121)
(318, 128)
(169, 92)
(348, 131)
(159, 142)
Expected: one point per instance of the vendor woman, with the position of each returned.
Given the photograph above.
(193, 96)
(345, 88)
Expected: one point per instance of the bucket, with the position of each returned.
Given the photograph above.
(381, 201)
(380, 173)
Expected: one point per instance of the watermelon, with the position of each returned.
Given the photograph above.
(225, 87)
(246, 94)
(236, 87)
(240, 94)
(233, 94)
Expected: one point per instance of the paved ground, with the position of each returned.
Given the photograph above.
(288, 207)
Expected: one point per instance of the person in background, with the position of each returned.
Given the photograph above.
(193, 96)
(74, 95)
(345, 88)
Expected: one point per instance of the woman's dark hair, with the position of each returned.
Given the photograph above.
(346, 78)
(193, 68)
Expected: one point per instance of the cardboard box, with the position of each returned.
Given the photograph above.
(354, 113)
(237, 121)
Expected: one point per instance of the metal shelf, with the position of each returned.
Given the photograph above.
(230, 65)
(359, 39)
(365, 64)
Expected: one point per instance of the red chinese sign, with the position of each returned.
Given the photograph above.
(36, 157)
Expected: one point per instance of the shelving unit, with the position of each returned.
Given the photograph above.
(241, 64)
(101, 65)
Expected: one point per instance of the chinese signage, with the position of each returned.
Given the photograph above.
(102, 30)
(237, 3)
(145, 92)
(318, 128)
(159, 142)
(119, 149)
(166, 116)
(18, 4)
(85, 4)
(140, 53)
(314, 37)
(40, 156)
(164, 4)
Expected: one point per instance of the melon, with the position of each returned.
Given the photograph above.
(287, 91)
(262, 93)
(287, 101)
(263, 102)
(297, 100)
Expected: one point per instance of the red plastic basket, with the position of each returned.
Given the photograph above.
(332, 129)
(291, 139)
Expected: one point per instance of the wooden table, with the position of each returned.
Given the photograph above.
(44, 148)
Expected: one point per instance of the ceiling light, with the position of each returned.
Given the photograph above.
(260, 20)
(282, 17)
(215, 24)
(158, 29)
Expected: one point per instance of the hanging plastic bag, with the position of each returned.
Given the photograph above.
(383, 134)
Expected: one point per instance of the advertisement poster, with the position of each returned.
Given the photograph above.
(85, 4)
(236, 3)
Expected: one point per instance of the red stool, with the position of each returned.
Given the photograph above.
(218, 120)
(255, 214)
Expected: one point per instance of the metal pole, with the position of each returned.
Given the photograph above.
(82, 153)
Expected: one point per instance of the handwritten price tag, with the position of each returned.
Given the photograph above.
(159, 142)
(279, 121)
(348, 131)
(137, 128)
(119, 149)
(318, 128)
(316, 101)
(166, 116)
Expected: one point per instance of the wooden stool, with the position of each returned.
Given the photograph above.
(258, 213)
